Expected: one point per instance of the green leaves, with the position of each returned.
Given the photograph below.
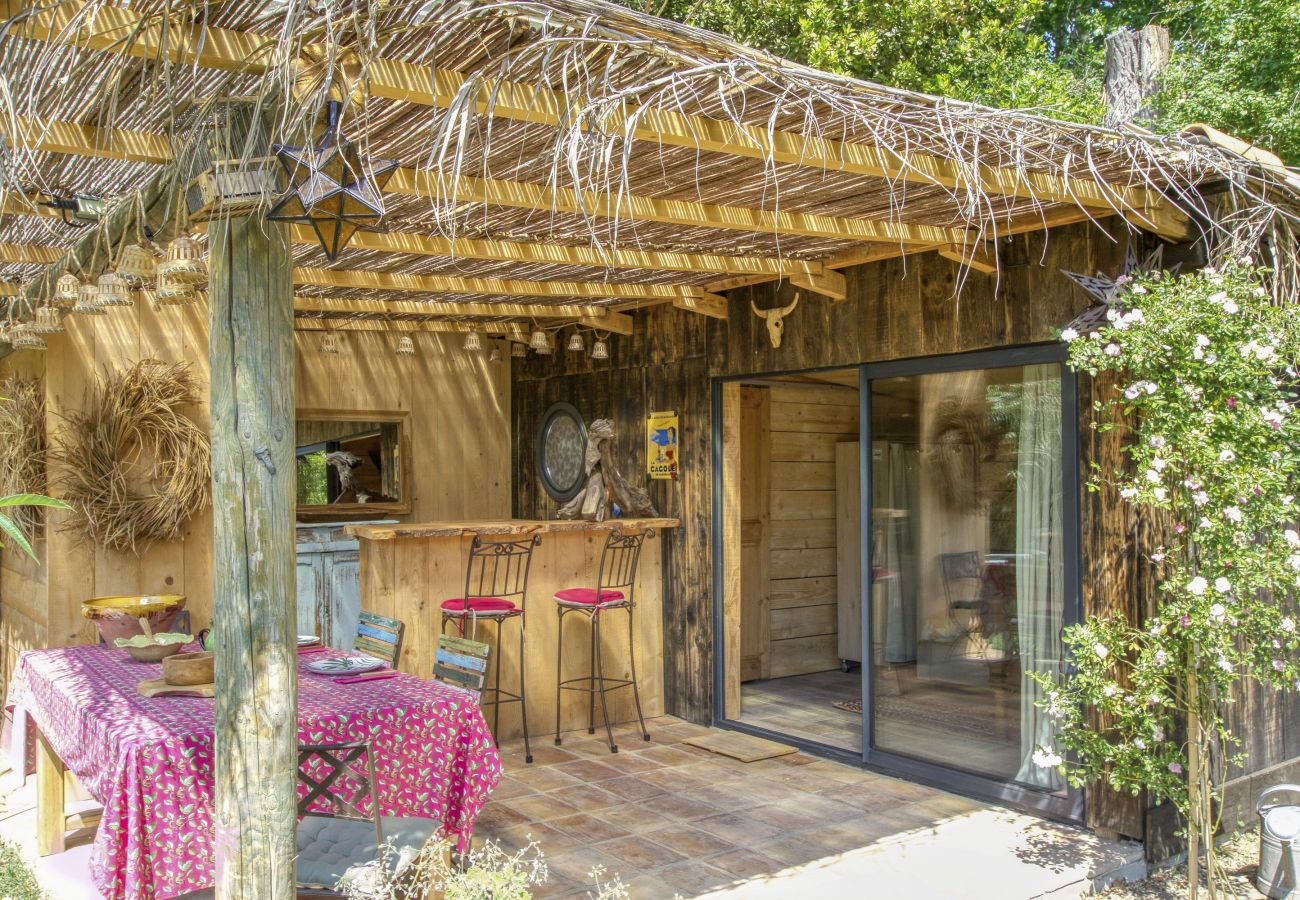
(11, 530)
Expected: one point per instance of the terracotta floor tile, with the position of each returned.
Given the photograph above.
(690, 841)
(738, 828)
(588, 770)
(632, 787)
(589, 829)
(710, 771)
(746, 863)
(639, 854)
(511, 787)
(824, 808)
(541, 807)
(543, 755)
(796, 851)
(496, 816)
(695, 878)
(587, 797)
(680, 807)
(545, 778)
(670, 756)
(784, 817)
(577, 864)
(651, 887)
(635, 817)
(854, 835)
(549, 838)
(724, 797)
(768, 790)
(556, 886)
(674, 779)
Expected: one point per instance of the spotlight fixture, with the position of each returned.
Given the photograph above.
(332, 187)
(473, 343)
(575, 342)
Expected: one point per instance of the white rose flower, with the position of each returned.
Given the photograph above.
(1045, 758)
(1138, 289)
(1227, 456)
(1197, 586)
(1288, 625)
(1218, 297)
(1131, 392)
(1136, 314)
(1225, 664)
(1158, 734)
(1231, 307)
(1232, 514)
(1222, 585)
(1205, 522)
(1110, 690)
(1294, 561)
(1198, 353)
(1292, 538)
(1158, 464)
(1160, 658)
(1200, 498)
(1101, 650)
(1202, 341)
(1139, 743)
(1157, 442)
(1069, 334)
(1153, 476)
(1128, 493)
(1112, 350)
(1160, 492)
(1217, 612)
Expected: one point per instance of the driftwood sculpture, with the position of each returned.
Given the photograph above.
(344, 462)
(775, 319)
(605, 484)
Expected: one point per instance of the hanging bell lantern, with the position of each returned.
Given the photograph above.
(137, 264)
(575, 342)
(495, 355)
(88, 301)
(184, 262)
(330, 342)
(332, 187)
(599, 349)
(65, 291)
(173, 293)
(48, 321)
(113, 290)
(22, 337)
(473, 343)
(539, 341)
(518, 351)
(405, 346)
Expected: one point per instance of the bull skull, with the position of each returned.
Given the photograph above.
(775, 319)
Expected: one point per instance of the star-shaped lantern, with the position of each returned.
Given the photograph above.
(332, 187)
(1107, 290)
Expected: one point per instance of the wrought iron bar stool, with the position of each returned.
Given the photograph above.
(496, 588)
(615, 587)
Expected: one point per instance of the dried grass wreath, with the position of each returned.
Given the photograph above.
(134, 467)
(22, 447)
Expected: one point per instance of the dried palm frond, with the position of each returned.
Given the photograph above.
(22, 447)
(133, 466)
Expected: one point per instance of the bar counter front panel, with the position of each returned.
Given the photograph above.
(408, 570)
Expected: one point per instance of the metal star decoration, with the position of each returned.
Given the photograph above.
(1106, 289)
(332, 187)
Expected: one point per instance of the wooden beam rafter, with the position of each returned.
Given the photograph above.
(125, 31)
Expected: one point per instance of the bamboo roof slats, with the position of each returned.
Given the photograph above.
(571, 153)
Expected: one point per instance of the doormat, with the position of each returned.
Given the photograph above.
(744, 747)
(929, 712)
(853, 706)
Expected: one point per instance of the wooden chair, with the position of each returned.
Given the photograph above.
(461, 662)
(344, 845)
(380, 637)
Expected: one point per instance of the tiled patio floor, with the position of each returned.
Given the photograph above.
(671, 819)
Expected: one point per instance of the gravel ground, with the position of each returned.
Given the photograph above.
(1239, 855)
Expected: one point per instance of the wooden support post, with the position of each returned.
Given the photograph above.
(51, 824)
(250, 295)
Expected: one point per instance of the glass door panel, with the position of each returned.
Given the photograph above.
(967, 571)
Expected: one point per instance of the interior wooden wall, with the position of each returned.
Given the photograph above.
(459, 406)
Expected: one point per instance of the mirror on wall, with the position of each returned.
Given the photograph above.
(350, 463)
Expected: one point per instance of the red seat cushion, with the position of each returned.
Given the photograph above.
(481, 605)
(587, 596)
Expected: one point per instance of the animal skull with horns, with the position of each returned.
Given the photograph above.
(775, 319)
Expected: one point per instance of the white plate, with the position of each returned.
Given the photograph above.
(345, 665)
(306, 639)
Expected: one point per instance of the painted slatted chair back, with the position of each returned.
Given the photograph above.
(342, 775)
(461, 662)
(380, 637)
(499, 568)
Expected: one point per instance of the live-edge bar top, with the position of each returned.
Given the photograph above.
(418, 530)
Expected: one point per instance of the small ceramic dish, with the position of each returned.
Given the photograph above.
(195, 667)
(345, 665)
(153, 648)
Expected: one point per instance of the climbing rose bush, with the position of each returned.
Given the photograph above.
(1208, 388)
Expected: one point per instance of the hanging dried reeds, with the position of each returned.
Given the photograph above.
(22, 447)
(133, 466)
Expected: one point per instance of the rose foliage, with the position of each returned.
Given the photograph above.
(1207, 373)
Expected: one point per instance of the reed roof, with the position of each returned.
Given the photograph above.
(570, 143)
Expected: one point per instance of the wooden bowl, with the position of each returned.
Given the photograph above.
(119, 617)
(194, 667)
(154, 652)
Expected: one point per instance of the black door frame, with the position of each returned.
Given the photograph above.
(1068, 806)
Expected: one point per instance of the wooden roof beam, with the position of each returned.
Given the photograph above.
(596, 317)
(974, 256)
(515, 330)
(125, 31)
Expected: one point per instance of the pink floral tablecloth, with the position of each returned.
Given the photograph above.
(150, 761)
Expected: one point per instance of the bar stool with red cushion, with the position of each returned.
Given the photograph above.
(615, 586)
(496, 587)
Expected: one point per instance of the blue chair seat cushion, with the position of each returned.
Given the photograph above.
(335, 852)
(587, 597)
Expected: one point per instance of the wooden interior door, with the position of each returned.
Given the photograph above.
(755, 526)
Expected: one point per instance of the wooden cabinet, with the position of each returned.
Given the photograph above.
(329, 583)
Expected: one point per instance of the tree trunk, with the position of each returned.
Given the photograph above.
(254, 618)
(1135, 60)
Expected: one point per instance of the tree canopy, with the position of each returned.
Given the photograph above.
(1234, 65)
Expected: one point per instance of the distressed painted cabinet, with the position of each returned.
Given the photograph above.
(329, 583)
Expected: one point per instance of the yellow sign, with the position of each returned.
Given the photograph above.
(661, 444)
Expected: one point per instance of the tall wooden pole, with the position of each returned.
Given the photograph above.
(250, 292)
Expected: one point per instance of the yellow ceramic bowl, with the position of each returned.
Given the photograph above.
(119, 617)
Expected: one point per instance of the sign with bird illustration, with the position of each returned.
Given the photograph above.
(661, 444)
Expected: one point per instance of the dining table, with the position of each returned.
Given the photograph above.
(149, 761)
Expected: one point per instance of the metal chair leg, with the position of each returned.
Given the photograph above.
(631, 655)
(591, 677)
(600, 673)
(496, 685)
(559, 663)
(523, 703)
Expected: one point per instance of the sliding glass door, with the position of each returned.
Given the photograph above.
(970, 531)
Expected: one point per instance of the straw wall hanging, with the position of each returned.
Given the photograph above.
(134, 467)
(22, 447)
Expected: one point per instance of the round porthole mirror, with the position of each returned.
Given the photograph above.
(561, 450)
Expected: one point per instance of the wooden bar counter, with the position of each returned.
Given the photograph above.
(408, 570)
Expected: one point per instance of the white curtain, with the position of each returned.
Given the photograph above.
(1039, 546)
(894, 571)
